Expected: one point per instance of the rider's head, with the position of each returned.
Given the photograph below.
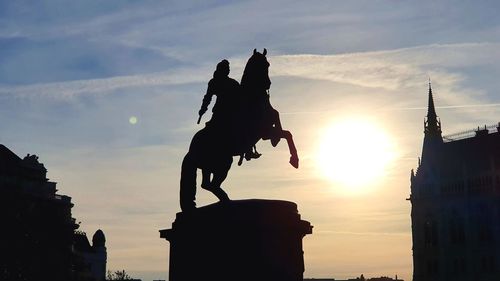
(223, 68)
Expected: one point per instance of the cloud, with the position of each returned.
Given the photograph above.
(92, 40)
(35, 61)
(392, 69)
(404, 74)
(65, 90)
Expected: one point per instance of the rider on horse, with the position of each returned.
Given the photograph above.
(241, 117)
(226, 89)
(227, 108)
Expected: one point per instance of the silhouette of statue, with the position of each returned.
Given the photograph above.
(241, 117)
(226, 89)
(224, 112)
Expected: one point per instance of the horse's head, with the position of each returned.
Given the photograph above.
(256, 73)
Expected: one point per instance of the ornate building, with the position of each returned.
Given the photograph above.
(37, 238)
(455, 199)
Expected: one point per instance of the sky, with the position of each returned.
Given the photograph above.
(74, 73)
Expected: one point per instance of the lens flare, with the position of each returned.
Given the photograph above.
(132, 120)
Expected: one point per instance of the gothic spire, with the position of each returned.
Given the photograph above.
(432, 124)
(431, 110)
(432, 140)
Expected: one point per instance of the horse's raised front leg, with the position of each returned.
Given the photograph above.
(275, 139)
(205, 180)
(294, 157)
(276, 132)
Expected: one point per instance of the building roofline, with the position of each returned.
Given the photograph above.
(472, 133)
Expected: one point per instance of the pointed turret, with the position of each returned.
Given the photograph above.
(432, 129)
(432, 125)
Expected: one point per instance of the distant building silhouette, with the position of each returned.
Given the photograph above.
(383, 278)
(361, 278)
(455, 198)
(37, 238)
(92, 257)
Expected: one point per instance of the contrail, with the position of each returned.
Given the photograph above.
(397, 109)
(451, 106)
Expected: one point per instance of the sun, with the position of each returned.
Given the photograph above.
(354, 153)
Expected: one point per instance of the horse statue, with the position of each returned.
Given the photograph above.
(212, 151)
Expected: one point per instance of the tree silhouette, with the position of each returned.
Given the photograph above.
(118, 275)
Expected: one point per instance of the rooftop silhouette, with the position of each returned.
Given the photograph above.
(39, 240)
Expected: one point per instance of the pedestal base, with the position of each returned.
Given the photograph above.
(239, 240)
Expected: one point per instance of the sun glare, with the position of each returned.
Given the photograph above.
(354, 153)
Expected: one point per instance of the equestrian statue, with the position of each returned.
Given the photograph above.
(241, 116)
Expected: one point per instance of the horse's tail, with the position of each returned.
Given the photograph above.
(188, 183)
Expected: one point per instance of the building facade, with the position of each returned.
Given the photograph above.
(37, 237)
(455, 200)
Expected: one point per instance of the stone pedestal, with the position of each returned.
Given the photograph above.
(241, 240)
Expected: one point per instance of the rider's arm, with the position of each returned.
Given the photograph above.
(207, 98)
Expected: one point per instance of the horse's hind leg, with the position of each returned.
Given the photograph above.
(215, 184)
